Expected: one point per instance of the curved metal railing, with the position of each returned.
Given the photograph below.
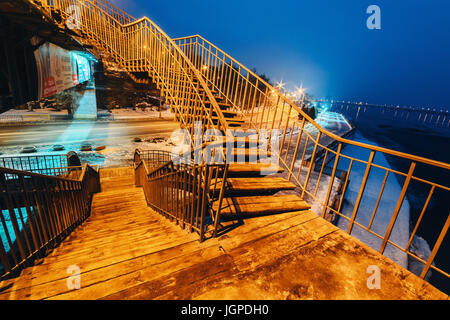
(313, 156)
(37, 211)
(182, 191)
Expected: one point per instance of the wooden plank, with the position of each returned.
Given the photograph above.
(106, 280)
(253, 169)
(183, 279)
(247, 152)
(251, 230)
(105, 256)
(261, 205)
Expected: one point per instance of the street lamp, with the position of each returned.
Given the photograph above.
(301, 91)
(280, 86)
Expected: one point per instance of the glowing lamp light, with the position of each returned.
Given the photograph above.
(280, 85)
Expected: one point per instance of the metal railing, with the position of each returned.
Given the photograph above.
(38, 211)
(36, 163)
(141, 46)
(301, 139)
(63, 165)
(180, 191)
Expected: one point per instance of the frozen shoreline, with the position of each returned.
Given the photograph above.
(401, 231)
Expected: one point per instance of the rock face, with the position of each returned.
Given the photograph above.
(310, 111)
(115, 89)
(419, 247)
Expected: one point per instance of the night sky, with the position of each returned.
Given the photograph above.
(325, 44)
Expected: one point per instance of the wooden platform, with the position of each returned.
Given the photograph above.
(257, 185)
(127, 251)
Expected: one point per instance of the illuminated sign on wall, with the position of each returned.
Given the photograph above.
(59, 69)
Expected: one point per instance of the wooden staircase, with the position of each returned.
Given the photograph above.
(125, 250)
(250, 187)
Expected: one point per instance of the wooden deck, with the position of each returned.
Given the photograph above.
(127, 251)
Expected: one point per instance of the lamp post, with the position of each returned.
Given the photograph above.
(301, 91)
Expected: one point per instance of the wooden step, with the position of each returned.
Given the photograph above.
(255, 186)
(201, 91)
(242, 154)
(226, 113)
(245, 207)
(222, 105)
(247, 153)
(213, 91)
(253, 169)
(233, 143)
(237, 142)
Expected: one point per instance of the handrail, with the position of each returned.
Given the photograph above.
(141, 45)
(314, 123)
(38, 211)
(182, 192)
(307, 152)
(34, 162)
(47, 164)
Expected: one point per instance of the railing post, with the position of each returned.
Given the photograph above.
(361, 191)
(222, 191)
(333, 175)
(311, 164)
(397, 207)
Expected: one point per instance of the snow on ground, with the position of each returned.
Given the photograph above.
(337, 124)
(143, 111)
(400, 233)
(148, 111)
(35, 111)
(20, 216)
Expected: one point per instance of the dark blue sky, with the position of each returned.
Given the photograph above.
(325, 43)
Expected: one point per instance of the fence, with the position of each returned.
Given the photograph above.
(38, 211)
(182, 192)
(188, 68)
(412, 116)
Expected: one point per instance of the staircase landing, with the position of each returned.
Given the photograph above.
(127, 251)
